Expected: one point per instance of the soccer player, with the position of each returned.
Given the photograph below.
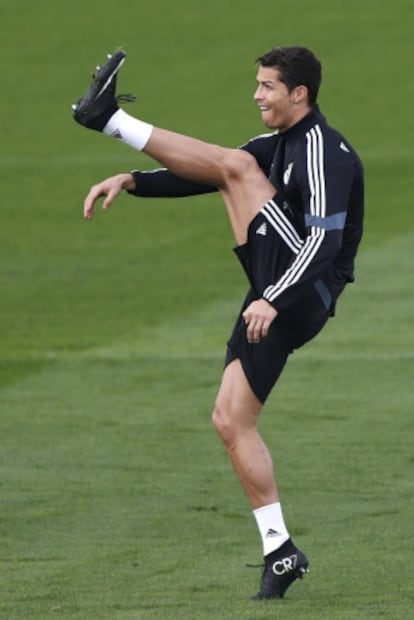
(294, 198)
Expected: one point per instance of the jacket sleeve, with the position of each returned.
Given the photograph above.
(326, 169)
(161, 183)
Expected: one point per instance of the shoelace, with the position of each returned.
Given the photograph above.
(125, 98)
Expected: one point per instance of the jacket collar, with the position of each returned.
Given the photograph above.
(312, 117)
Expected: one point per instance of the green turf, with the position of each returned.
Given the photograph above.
(117, 501)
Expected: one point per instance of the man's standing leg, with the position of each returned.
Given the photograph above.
(245, 191)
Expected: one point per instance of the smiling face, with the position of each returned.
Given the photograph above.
(280, 108)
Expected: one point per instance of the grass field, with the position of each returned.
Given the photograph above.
(117, 501)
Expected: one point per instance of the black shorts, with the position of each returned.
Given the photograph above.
(263, 362)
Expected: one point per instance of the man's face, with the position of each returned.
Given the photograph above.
(280, 109)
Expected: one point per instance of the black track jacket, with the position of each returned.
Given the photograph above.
(320, 189)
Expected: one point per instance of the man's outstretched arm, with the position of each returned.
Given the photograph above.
(160, 183)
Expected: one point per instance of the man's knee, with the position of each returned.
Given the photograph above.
(223, 424)
(239, 165)
(230, 422)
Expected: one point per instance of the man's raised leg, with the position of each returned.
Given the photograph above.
(244, 187)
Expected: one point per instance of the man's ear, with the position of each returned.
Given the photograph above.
(300, 94)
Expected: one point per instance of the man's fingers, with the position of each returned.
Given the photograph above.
(258, 318)
(253, 330)
(265, 328)
(257, 327)
(88, 208)
(251, 326)
(110, 188)
(96, 192)
(111, 195)
(89, 204)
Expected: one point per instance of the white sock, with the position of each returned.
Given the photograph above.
(128, 129)
(271, 526)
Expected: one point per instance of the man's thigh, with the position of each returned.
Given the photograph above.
(236, 399)
(245, 194)
(261, 362)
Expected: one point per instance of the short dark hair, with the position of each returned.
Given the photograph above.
(298, 66)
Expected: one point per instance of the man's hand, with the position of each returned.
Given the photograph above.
(258, 316)
(110, 188)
